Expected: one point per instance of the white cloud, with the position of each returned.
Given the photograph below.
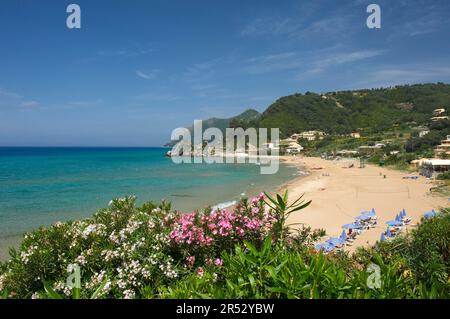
(321, 63)
(270, 26)
(391, 75)
(273, 63)
(311, 62)
(85, 103)
(125, 52)
(147, 75)
(30, 103)
(153, 96)
(14, 99)
(4, 93)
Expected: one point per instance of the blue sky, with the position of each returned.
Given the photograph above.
(137, 69)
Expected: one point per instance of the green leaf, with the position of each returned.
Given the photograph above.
(99, 289)
(300, 207)
(51, 293)
(76, 293)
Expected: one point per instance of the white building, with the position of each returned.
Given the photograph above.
(444, 147)
(309, 135)
(294, 148)
(439, 118)
(438, 112)
(269, 148)
(434, 166)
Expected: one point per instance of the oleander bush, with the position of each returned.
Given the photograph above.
(424, 255)
(278, 273)
(131, 251)
(126, 251)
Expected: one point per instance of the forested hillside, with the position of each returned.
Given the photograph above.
(343, 112)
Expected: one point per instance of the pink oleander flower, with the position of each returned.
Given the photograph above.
(221, 227)
(218, 262)
(190, 261)
(200, 271)
(209, 241)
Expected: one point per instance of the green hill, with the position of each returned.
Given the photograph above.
(346, 111)
(248, 116)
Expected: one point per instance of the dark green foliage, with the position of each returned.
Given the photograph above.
(424, 143)
(444, 176)
(424, 255)
(272, 272)
(416, 265)
(343, 112)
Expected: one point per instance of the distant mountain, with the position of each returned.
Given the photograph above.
(220, 123)
(343, 112)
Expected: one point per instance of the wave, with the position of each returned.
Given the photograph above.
(224, 205)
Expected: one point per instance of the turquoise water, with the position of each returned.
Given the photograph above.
(40, 186)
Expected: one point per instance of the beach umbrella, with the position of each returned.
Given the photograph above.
(363, 218)
(319, 247)
(335, 241)
(394, 223)
(351, 226)
(428, 215)
(368, 214)
(398, 218)
(373, 211)
(343, 235)
(382, 238)
(388, 233)
(324, 247)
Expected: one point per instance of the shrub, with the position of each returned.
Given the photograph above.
(271, 272)
(444, 176)
(423, 255)
(128, 251)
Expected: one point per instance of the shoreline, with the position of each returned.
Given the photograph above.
(340, 193)
(8, 241)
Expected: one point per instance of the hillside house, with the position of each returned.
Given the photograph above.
(310, 135)
(438, 112)
(443, 148)
(294, 148)
(439, 118)
(434, 166)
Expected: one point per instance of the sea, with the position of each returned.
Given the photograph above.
(41, 185)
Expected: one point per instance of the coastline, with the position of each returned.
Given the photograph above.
(339, 194)
(252, 188)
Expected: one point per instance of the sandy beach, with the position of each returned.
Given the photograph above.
(339, 194)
